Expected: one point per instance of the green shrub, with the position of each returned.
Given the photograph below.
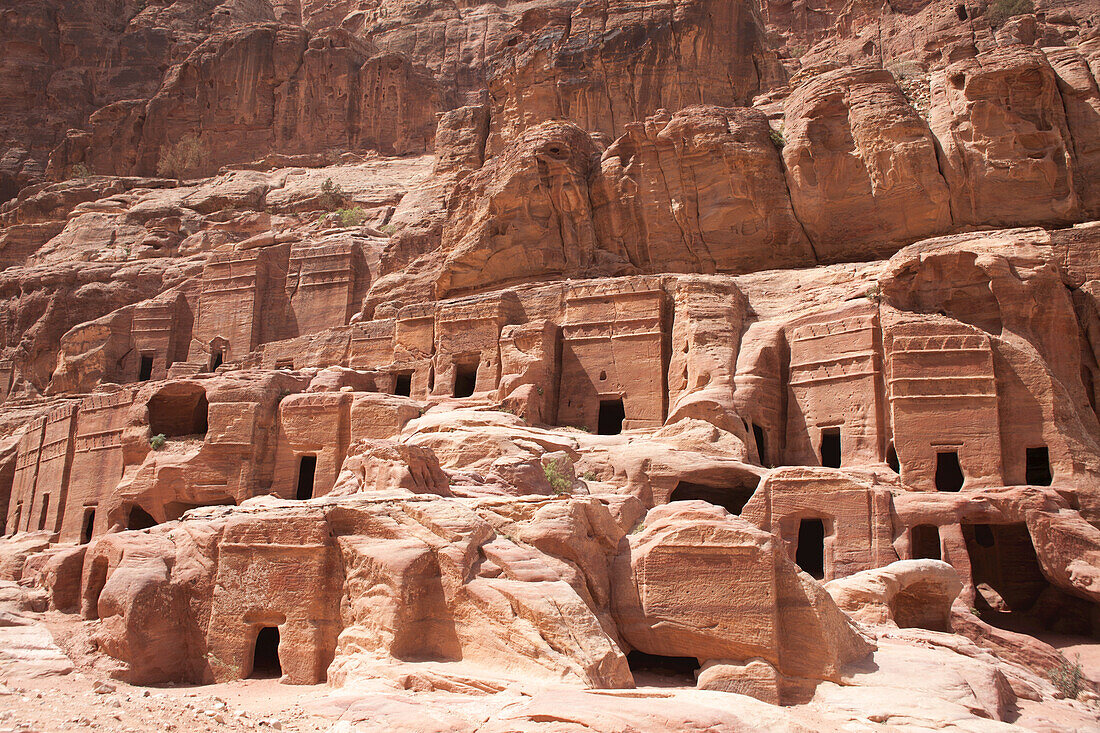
(351, 217)
(559, 480)
(777, 139)
(157, 441)
(1000, 11)
(387, 228)
(332, 197)
(182, 159)
(590, 476)
(1068, 677)
(79, 170)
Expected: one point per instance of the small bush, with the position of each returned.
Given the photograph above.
(1068, 677)
(351, 217)
(590, 476)
(557, 477)
(79, 170)
(1001, 10)
(332, 197)
(182, 159)
(157, 441)
(387, 228)
(777, 139)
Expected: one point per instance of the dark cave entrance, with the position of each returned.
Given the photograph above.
(1038, 467)
(145, 369)
(307, 469)
(830, 448)
(611, 416)
(175, 414)
(761, 444)
(139, 519)
(465, 379)
(924, 542)
(949, 475)
(1011, 591)
(733, 498)
(810, 552)
(265, 654)
(87, 527)
(402, 384)
(653, 670)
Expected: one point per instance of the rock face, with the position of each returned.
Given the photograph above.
(861, 164)
(553, 353)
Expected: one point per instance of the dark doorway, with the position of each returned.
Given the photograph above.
(45, 511)
(88, 527)
(307, 467)
(733, 498)
(610, 420)
(924, 542)
(830, 447)
(949, 475)
(960, 10)
(140, 519)
(892, 459)
(1011, 590)
(216, 359)
(402, 384)
(465, 379)
(657, 671)
(761, 448)
(1038, 467)
(145, 371)
(810, 553)
(175, 413)
(265, 657)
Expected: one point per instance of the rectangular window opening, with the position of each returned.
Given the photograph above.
(145, 371)
(307, 467)
(949, 475)
(465, 379)
(611, 416)
(810, 551)
(830, 447)
(402, 384)
(88, 527)
(45, 511)
(924, 542)
(1038, 467)
(761, 448)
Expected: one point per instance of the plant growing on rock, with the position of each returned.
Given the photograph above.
(558, 478)
(182, 159)
(1001, 10)
(79, 170)
(158, 441)
(1068, 677)
(351, 217)
(332, 196)
(776, 136)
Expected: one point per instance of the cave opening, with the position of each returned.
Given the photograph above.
(307, 469)
(1037, 470)
(1011, 591)
(402, 384)
(265, 654)
(732, 498)
(465, 379)
(892, 459)
(654, 670)
(610, 418)
(809, 554)
(761, 445)
(949, 475)
(145, 369)
(924, 542)
(830, 448)
(177, 414)
(87, 527)
(138, 518)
